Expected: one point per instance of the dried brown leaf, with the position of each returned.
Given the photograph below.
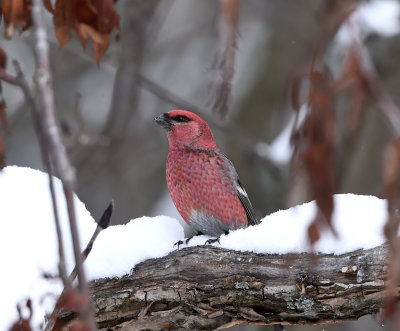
(354, 79)
(82, 34)
(391, 187)
(100, 41)
(295, 84)
(313, 233)
(319, 146)
(391, 170)
(96, 18)
(72, 300)
(64, 20)
(101, 47)
(2, 153)
(47, 4)
(391, 291)
(336, 11)
(3, 117)
(99, 14)
(16, 15)
(23, 324)
(225, 60)
(3, 59)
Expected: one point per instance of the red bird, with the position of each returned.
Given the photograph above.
(203, 183)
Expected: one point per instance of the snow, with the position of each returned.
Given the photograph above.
(381, 17)
(120, 247)
(29, 246)
(377, 16)
(280, 150)
(28, 242)
(357, 219)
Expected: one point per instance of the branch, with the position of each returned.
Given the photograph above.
(206, 287)
(56, 148)
(52, 147)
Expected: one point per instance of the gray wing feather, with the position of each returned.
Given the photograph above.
(244, 199)
(241, 193)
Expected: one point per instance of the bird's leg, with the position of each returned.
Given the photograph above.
(211, 241)
(214, 240)
(197, 234)
(180, 242)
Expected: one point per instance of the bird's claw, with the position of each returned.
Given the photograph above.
(208, 242)
(178, 243)
(212, 241)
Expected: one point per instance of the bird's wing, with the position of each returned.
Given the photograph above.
(244, 199)
(241, 192)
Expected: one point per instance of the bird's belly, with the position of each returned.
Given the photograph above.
(208, 225)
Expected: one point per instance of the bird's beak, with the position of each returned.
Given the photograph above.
(164, 120)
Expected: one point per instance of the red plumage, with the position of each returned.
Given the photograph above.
(203, 183)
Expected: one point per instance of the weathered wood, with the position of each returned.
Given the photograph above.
(206, 287)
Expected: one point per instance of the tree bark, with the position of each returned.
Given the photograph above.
(206, 287)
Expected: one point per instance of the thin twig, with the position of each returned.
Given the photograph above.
(102, 224)
(57, 151)
(4, 76)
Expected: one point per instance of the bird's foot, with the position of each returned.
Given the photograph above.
(178, 243)
(188, 239)
(212, 241)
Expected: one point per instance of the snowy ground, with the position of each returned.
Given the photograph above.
(29, 244)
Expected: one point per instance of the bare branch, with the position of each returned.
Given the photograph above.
(42, 77)
(206, 287)
(52, 146)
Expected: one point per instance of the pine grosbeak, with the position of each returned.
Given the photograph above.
(203, 183)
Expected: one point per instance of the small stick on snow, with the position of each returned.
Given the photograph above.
(102, 224)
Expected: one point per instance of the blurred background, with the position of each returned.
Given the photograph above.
(243, 67)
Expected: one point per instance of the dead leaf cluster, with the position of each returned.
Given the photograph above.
(96, 19)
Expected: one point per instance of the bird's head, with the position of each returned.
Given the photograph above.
(185, 128)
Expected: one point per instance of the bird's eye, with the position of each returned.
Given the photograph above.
(181, 118)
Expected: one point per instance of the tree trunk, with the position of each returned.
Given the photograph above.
(206, 287)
